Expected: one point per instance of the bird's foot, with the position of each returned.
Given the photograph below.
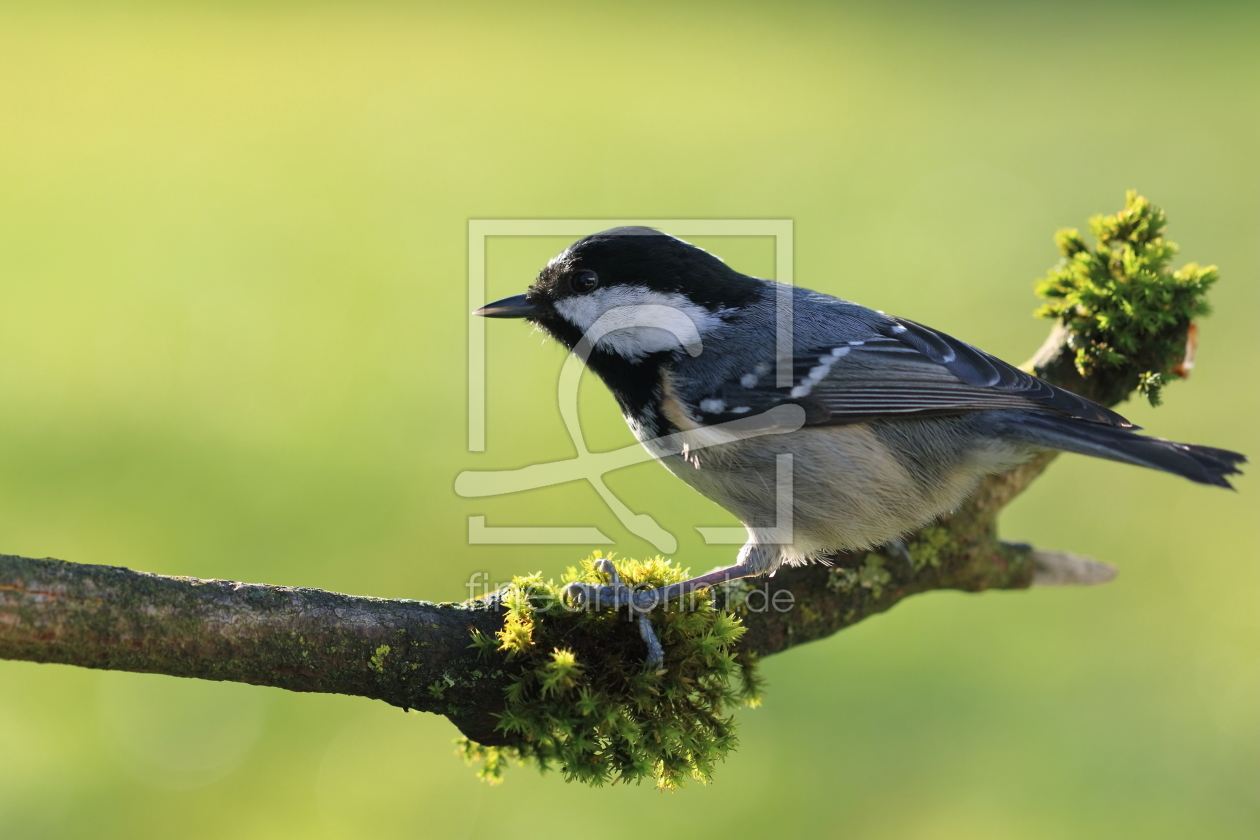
(895, 549)
(616, 594)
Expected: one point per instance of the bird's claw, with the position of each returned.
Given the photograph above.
(896, 549)
(614, 595)
(607, 567)
(656, 653)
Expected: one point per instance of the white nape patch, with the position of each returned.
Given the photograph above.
(898, 329)
(712, 406)
(633, 321)
(740, 409)
(749, 380)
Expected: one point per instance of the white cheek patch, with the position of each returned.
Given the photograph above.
(635, 322)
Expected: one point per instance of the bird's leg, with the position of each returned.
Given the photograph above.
(641, 602)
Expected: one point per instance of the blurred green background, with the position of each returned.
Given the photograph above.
(232, 344)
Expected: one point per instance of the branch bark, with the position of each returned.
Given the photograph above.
(416, 654)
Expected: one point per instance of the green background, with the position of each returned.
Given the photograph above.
(233, 344)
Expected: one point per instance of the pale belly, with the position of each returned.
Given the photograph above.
(848, 489)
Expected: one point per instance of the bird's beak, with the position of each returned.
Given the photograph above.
(511, 307)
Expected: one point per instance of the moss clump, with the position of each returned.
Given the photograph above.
(1119, 302)
(871, 575)
(927, 549)
(585, 703)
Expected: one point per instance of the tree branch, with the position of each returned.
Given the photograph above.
(412, 654)
(416, 654)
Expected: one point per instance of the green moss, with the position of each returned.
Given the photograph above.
(1121, 305)
(585, 703)
(438, 687)
(871, 575)
(377, 662)
(841, 579)
(926, 550)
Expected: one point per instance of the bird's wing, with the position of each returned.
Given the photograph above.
(906, 369)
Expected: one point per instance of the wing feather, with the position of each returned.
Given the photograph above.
(906, 370)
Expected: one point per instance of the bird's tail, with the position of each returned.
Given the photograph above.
(1204, 464)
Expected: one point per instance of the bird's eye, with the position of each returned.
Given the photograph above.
(584, 281)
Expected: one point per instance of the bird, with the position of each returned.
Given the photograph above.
(729, 380)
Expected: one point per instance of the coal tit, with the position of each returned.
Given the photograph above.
(888, 423)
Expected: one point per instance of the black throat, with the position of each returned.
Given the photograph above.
(635, 385)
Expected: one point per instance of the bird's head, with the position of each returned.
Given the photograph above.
(631, 293)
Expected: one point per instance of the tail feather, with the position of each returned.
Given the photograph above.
(1204, 464)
